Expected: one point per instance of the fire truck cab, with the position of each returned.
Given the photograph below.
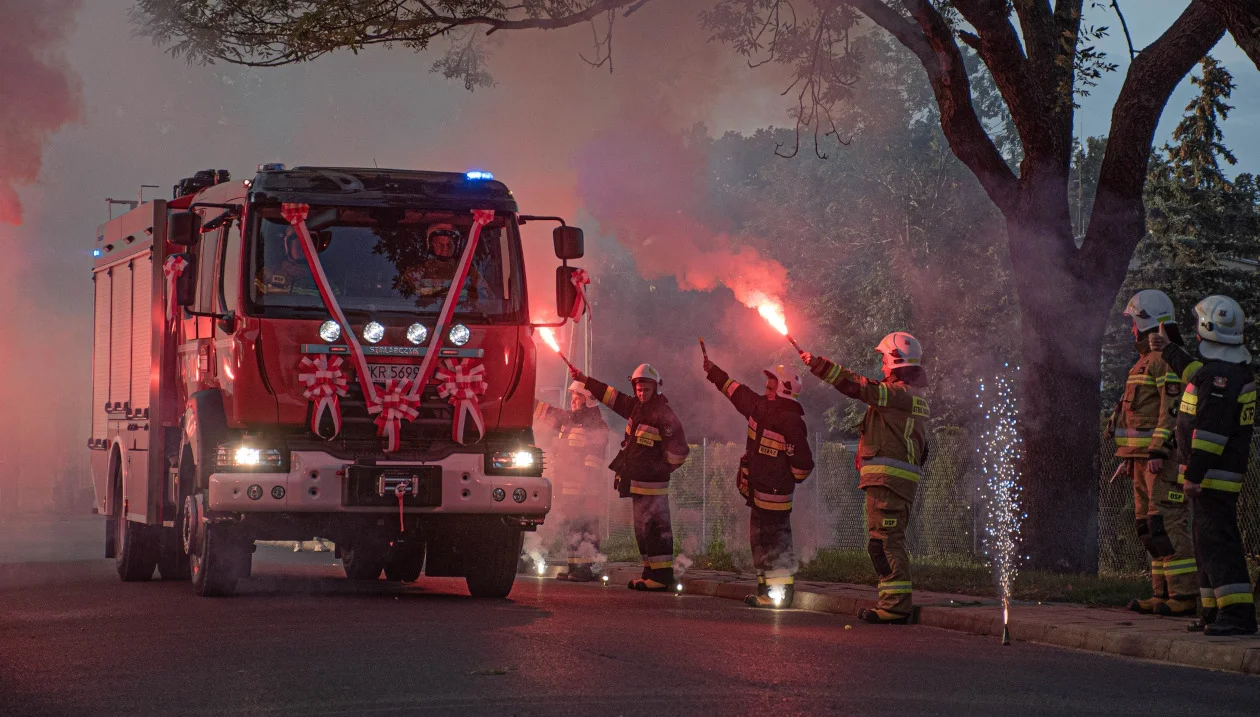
(206, 436)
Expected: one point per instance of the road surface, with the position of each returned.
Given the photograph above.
(300, 640)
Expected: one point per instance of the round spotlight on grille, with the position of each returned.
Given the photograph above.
(459, 334)
(417, 334)
(373, 332)
(330, 331)
(498, 494)
(518, 495)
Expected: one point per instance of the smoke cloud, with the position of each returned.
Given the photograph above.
(40, 91)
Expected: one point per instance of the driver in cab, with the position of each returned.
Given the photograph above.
(432, 279)
(291, 274)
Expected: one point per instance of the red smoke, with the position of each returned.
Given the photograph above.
(40, 93)
(646, 186)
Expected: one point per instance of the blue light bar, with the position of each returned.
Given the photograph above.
(96, 252)
(477, 174)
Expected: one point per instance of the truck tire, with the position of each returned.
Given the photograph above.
(363, 562)
(218, 562)
(491, 570)
(135, 549)
(172, 562)
(406, 562)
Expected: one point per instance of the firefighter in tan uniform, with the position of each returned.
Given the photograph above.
(1142, 426)
(653, 448)
(892, 448)
(580, 447)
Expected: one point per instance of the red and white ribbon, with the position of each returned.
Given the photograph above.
(325, 382)
(394, 403)
(172, 269)
(462, 383)
(481, 217)
(580, 280)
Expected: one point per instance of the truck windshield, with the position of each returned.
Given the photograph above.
(384, 260)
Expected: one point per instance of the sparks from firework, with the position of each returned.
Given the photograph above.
(1000, 451)
(772, 312)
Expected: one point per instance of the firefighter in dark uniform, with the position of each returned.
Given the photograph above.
(653, 448)
(892, 449)
(776, 459)
(1214, 425)
(1142, 427)
(580, 448)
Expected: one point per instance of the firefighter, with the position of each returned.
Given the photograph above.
(892, 449)
(654, 447)
(581, 442)
(291, 275)
(1142, 427)
(432, 278)
(1214, 425)
(776, 458)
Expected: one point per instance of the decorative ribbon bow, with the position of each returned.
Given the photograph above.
(324, 381)
(394, 403)
(462, 382)
(172, 269)
(580, 279)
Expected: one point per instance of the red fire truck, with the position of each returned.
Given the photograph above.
(234, 325)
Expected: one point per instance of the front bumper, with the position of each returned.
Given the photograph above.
(314, 484)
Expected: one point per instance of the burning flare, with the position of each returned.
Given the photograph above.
(772, 312)
(549, 338)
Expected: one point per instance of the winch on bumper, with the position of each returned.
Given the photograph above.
(316, 482)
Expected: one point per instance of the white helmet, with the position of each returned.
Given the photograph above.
(903, 348)
(789, 381)
(646, 371)
(1149, 309)
(1221, 329)
(579, 388)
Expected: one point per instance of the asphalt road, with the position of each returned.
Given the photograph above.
(300, 640)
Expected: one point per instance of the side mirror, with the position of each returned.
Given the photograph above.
(569, 242)
(186, 284)
(183, 228)
(566, 292)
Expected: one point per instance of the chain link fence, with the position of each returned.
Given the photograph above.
(947, 521)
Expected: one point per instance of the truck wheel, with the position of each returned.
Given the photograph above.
(218, 561)
(363, 561)
(173, 562)
(135, 550)
(491, 570)
(406, 561)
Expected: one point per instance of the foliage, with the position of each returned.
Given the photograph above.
(1204, 228)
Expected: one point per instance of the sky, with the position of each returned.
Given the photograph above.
(143, 117)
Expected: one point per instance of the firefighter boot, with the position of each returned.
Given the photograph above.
(648, 585)
(778, 597)
(1177, 606)
(883, 617)
(581, 573)
(1149, 605)
(1206, 618)
(1227, 626)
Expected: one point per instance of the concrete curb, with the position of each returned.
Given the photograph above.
(1111, 631)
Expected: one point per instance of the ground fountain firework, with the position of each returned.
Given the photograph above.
(999, 451)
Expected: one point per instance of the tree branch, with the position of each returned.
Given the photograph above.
(932, 41)
(1118, 220)
(1242, 18)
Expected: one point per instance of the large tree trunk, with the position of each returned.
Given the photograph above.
(1063, 314)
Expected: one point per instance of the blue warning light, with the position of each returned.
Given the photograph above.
(96, 252)
(477, 175)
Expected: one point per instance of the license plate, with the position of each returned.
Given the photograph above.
(382, 372)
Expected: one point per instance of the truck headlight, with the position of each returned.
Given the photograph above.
(330, 331)
(417, 333)
(459, 334)
(248, 457)
(519, 461)
(373, 332)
